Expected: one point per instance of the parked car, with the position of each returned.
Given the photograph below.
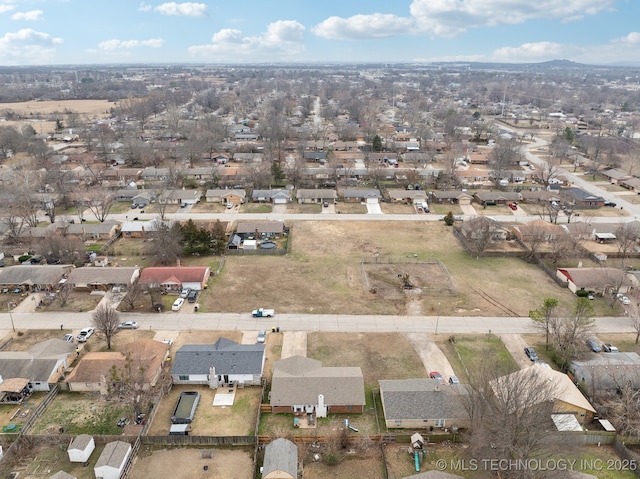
(229, 206)
(531, 353)
(325, 204)
(128, 325)
(610, 203)
(192, 296)
(84, 334)
(184, 293)
(626, 301)
(262, 336)
(593, 345)
(436, 375)
(454, 380)
(609, 348)
(513, 205)
(177, 304)
(68, 338)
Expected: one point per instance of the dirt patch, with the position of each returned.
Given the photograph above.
(187, 463)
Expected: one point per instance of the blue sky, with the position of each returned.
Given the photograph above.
(249, 31)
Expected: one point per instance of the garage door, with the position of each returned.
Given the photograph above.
(280, 201)
(372, 201)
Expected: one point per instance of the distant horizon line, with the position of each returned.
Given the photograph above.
(562, 62)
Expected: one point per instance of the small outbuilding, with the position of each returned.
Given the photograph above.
(62, 475)
(280, 460)
(112, 460)
(81, 448)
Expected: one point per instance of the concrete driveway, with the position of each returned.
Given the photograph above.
(432, 356)
(515, 344)
(468, 210)
(373, 208)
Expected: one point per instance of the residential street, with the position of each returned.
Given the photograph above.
(176, 321)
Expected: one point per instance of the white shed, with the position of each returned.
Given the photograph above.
(81, 448)
(250, 244)
(112, 460)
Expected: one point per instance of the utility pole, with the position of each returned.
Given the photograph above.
(11, 317)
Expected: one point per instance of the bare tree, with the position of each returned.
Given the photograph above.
(100, 203)
(105, 320)
(569, 332)
(515, 421)
(63, 294)
(627, 236)
(542, 317)
(503, 156)
(165, 242)
(134, 294)
(480, 232)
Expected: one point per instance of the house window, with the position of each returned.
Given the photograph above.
(438, 422)
(183, 377)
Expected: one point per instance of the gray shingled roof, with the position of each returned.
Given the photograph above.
(38, 363)
(405, 399)
(298, 380)
(35, 274)
(81, 442)
(228, 357)
(113, 455)
(281, 455)
(106, 275)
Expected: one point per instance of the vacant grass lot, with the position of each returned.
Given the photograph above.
(324, 274)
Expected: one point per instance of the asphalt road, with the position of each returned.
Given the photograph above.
(177, 321)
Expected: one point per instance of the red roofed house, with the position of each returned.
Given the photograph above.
(175, 278)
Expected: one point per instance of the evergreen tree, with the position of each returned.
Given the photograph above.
(377, 143)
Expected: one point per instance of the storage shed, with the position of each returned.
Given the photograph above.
(280, 460)
(112, 460)
(81, 448)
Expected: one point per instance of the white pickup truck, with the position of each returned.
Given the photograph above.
(263, 313)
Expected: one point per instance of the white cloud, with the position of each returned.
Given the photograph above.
(27, 46)
(377, 25)
(114, 44)
(186, 9)
(6, 8)
(283, 39)
(28, 16)
(449, 18)
(144, 7)
(534, 52)
(632, 38)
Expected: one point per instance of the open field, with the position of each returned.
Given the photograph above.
(42, 115)
(324, 274)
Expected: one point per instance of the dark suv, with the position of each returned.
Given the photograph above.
(192, 296)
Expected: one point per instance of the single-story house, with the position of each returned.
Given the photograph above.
(143, 198)
(605, 374)
(632, 183)
(280, 460)
(303, 386)
(601, 280)
(455, 197)
(579, 198)
(81, 448)
(91, 278)
(478, 226)
(423, 403)
(93, 371)
(93, 231)
(182, 197)
(614, 176)
(33, 277)
(360, 195)
(277, 197)
(255, 229)
(563, 393)
(235, 196)
(155, 174)
(407, 196)
(317, 195)
(319, 156)
(139, 229)
(538, 229)
(43, 364)
(223, 363)
(126, 195)
(175, 278)
(112, 461)
(496, 197)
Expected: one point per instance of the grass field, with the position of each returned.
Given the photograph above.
(324, 274)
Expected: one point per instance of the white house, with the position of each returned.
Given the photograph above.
(81, 448)
(112, 460)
